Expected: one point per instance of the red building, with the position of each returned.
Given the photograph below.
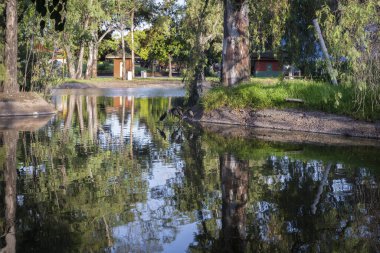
(266, 65)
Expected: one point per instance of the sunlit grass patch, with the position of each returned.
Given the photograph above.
(319, 96)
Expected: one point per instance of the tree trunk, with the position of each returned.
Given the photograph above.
(236, 60)
(170, 66)
(133, 42)
(78, 74)
(90, 60)
(70, 62)
(10, 177)
(81, 53)
(325, 53)
(94, 73)
(123, 54)
(10, 52)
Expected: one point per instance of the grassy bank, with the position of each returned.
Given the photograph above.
(319, 96)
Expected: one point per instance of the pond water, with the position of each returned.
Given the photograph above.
(105, 175)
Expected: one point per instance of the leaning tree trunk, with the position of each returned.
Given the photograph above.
(236, 61)
(325, 52)
(10, 61)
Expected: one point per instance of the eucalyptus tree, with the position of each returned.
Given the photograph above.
(236, 59)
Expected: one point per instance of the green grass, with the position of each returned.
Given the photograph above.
(318, 96)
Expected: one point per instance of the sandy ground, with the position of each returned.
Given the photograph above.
(24, 104)
(292, 120)
(285, 136)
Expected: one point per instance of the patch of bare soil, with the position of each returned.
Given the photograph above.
(24, 104)
(292, 120)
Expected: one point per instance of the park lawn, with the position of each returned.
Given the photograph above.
(260, 93)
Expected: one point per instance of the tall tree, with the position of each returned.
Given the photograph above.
(10, 52)
(236, 59)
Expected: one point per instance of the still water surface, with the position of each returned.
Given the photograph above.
(104, 175)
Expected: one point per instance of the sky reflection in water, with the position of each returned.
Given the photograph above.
(106, 175)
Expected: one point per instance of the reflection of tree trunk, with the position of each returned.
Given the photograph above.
(320, 189)
(79, 102)
(70, 113)
(131, 128)
(90, 117)
(10, 176)
(122, 122)
(234, 174)
(95, 116)
(108, 234)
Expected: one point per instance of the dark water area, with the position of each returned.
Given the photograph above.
(105, 175)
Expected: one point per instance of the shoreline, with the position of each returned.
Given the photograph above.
(286, 119)
(290, 120)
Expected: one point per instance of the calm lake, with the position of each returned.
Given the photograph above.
(105, 175)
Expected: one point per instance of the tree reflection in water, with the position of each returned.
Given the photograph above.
(234, 177)
(10, 143)
(99, 177)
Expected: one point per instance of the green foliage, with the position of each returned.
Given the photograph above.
(138, 39)
(317, 96)
(105, 67)
(267, 23)
(352, 33)
(202, 30)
